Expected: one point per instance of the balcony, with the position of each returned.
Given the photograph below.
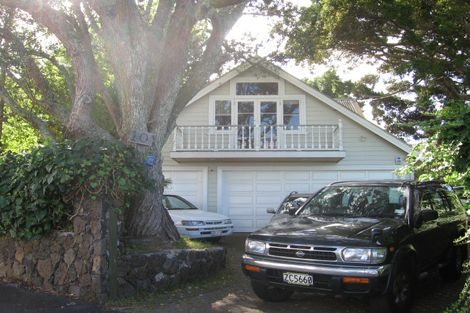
(258, 142)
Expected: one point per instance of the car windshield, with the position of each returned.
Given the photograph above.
(176, 203)
(293, 202)
(358, 201)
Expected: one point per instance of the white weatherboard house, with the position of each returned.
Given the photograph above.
(257, 133)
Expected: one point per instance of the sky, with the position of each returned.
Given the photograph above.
(258, 29)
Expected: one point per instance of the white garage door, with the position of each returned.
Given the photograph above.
(246, 194)
(189, 184)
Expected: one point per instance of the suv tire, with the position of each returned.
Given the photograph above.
(453, 270)
(400, 296)
(270, 293)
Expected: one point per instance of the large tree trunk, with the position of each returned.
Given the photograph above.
(148, 217)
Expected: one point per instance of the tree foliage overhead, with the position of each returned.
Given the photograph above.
(424, 44)
(108, 68)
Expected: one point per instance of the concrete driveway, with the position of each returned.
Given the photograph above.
(236, 296)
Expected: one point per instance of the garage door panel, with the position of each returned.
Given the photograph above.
(240, 186)
(240, 176)
(268, 200)
(239, 200)
(265, 187)
(265, 175)
(381, 175)
(325, 175)
(353, 175)
(297, 176)
(302, 187)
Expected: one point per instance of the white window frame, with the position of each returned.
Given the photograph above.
(252, 79)
(212, 100)
(302, 112)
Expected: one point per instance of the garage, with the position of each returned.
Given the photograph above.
(244, 195)
(190, 184)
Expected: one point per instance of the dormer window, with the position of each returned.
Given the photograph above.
(257, 89)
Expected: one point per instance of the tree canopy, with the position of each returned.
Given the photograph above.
(105, 69)
(425, 45)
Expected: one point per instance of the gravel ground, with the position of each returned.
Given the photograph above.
(230, 291)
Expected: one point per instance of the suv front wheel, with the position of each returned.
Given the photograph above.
(400, 296)
(270, 293)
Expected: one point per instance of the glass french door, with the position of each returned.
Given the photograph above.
(267, 123)
(257, 122)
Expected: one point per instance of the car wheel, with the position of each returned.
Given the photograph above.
(400, 296)
(270, 293)
(453, 270)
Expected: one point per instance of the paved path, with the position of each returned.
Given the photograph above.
(14, 299)
(236, 296)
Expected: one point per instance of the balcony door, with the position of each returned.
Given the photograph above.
(257, 124)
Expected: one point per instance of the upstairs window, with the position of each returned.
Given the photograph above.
(257, 89)
(291, 113)
(223, 114)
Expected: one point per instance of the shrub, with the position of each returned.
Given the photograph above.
(36, 188)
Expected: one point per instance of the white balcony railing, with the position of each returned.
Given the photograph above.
(325, 137)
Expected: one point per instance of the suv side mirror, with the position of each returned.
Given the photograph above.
(425, 216)
(271, 211)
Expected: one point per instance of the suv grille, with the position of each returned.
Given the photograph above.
(302, 252)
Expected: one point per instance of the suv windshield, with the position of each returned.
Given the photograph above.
(176, 203)
(358, 201)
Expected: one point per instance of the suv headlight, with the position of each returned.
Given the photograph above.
(364, 255)
(254, 246)
(192, 223)
(228, 221)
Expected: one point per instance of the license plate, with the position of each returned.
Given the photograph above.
(298, 279)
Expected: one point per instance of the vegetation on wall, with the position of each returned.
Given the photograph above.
(36, 188)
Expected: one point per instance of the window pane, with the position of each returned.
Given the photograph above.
(291, 107)
(223, 120)
(291, 120)
(245, 107)
(291, 113)
(268, 119)
(246, 119)
(223, 107)
(256, 89)
(268, 107)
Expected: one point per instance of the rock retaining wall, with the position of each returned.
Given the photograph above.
(73, 263)
(82, 264)
(163, 269)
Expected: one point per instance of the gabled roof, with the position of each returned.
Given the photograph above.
(346, 108)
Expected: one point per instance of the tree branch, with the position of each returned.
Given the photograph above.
(36, 122)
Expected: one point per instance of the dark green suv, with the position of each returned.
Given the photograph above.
(369, 238)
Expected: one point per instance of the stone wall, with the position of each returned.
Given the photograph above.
(163, 269)
(82, 263)
(73, 263)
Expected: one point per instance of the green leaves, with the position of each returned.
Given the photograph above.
(34, 185)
